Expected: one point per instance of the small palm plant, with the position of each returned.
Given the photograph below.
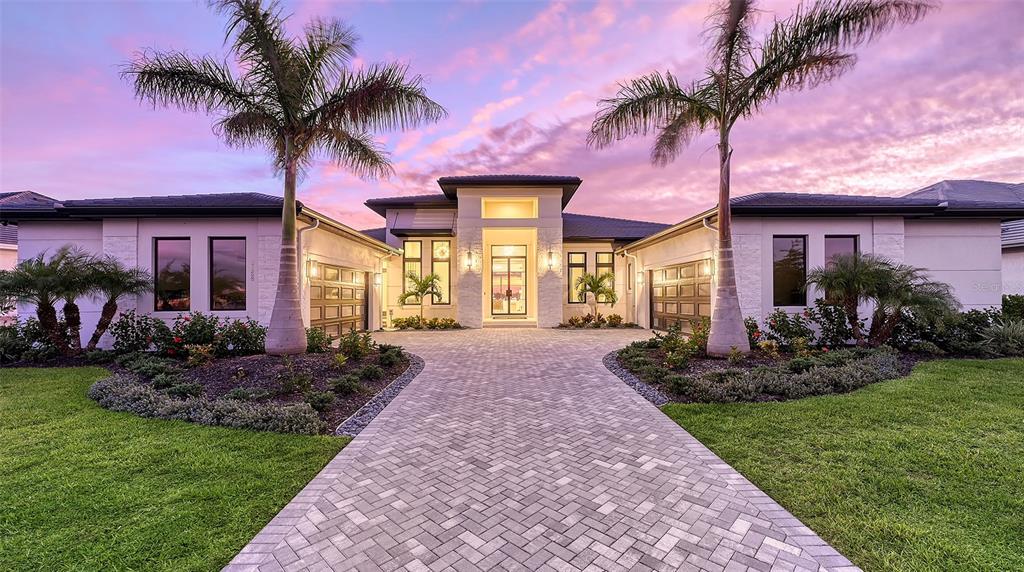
(419, 288)
(113, 281)
(37, 281)
(297, 98)
(78, 271)
(850, 280)
(591, 287)
(805, 50)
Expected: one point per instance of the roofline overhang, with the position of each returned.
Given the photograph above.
(407, 232)
(569, 185)
(381, 206)
(348, 231)
(696, 221)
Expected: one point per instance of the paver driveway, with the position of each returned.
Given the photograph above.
(517, 449)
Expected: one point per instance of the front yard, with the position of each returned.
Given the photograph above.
(87, 489)
(921, 473)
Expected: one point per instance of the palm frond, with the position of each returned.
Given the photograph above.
(358, 152)
(731, 24)
(649, 104)
(807, 48)
(328, 47)
(176, 79)
(381, 97)
(249, 129)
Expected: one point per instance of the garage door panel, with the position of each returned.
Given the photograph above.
(337, 299)
(680, 294)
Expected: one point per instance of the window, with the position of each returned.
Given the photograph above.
(789, 270)
(577, 267)
(509, 208)
(629, 277)
(227, 273)
(836, 245)
(172, 261)
(412, 263)
(440, 264)
(605, 263)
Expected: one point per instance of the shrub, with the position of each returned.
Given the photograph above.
(726, 386)
(340, 360)
(700, 330)
(12, 345)
(195, 328)
(680, 357)
(185, 390)
(371, 372)
(385, 348)
(150, 366)
(1005, 338)
(735, 356)
(199, 354)
(833, 325)
(356, 345)
(754, 333)
(120, 393)
(166, 380)
(241, 394)
(784, 328)
(575, 322)
(99, 357)
(133, 332)
(390, 358)
(801, 364)
(769, 348)
(240, 338)
(412, 322)
(614, 321)
(347, 385)
(956, 333)
(320, 401)
(679, 384)
(1013, 306)
(441, 324)
(317, 341)
(926, 347)
(598, 321)
(294, 381)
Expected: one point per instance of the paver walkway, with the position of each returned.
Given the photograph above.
(516, 449)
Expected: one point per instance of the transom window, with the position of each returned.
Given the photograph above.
(172, 271)
(509, 208)
(789, 270)
(227, 273)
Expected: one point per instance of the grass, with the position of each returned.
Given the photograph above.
(921, 473)
(86, 489)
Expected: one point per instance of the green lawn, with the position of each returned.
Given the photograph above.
(86, 489)
(922, 473)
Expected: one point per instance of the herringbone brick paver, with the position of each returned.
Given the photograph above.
(515, 449)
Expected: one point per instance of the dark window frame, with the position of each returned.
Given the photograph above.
(608, 266)
(433, 261)
(156, 271)
(855, 237)
(629, 277)
(245, 258)
(571, 291)
(419, 264)
(803, 239)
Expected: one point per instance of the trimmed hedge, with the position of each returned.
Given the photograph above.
(122, 393)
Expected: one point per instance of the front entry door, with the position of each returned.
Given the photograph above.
(508, 280)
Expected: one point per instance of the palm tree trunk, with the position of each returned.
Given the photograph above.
(47, 316)
(106, 317)
(727, 329)
(850, 308)
(73, 319)
(286, 334)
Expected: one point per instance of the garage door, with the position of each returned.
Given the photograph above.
(680, 294)
(337, 299)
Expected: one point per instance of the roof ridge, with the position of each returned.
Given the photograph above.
(615, 218)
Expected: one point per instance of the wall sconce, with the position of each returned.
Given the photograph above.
(551, 260)
(312, 269)
(469, 260)
(639, 278)
(377, 280)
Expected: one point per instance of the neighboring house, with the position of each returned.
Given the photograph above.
(212, 253)
(8, 246)
(1012, 232)
(508, 254)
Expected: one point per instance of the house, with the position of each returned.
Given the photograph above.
(507, 252)
(1012, 231)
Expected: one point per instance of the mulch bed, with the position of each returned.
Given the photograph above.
(264, 373)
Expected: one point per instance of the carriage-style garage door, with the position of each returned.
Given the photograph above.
(337, 299)
(680, 294)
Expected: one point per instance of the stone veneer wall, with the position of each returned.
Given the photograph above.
(550, 291)
(469, 308)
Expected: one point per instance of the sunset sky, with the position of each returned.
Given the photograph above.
(943, 99)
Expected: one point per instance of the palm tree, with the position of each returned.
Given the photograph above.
(420, 288)
(849, 280)
(298, 98)
(78, 272)
(904, 290)
(114, 281)
(591, 287)
(802, 51)
(37, 281)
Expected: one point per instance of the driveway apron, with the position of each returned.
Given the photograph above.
(516, 449)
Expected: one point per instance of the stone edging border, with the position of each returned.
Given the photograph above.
(361, 418)
(652, 394)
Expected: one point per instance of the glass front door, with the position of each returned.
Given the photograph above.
(508, 280)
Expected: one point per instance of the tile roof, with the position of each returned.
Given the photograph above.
(380, 234)
(600, 227)
(449, 185)
(434, 200)
(34, 205)
(971, 190)
(797, 203)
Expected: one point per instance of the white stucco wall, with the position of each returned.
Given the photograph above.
(394, 280)
(1013, 270)
(695, 244)
(966, 254)
(8, 256)
(131, 240)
